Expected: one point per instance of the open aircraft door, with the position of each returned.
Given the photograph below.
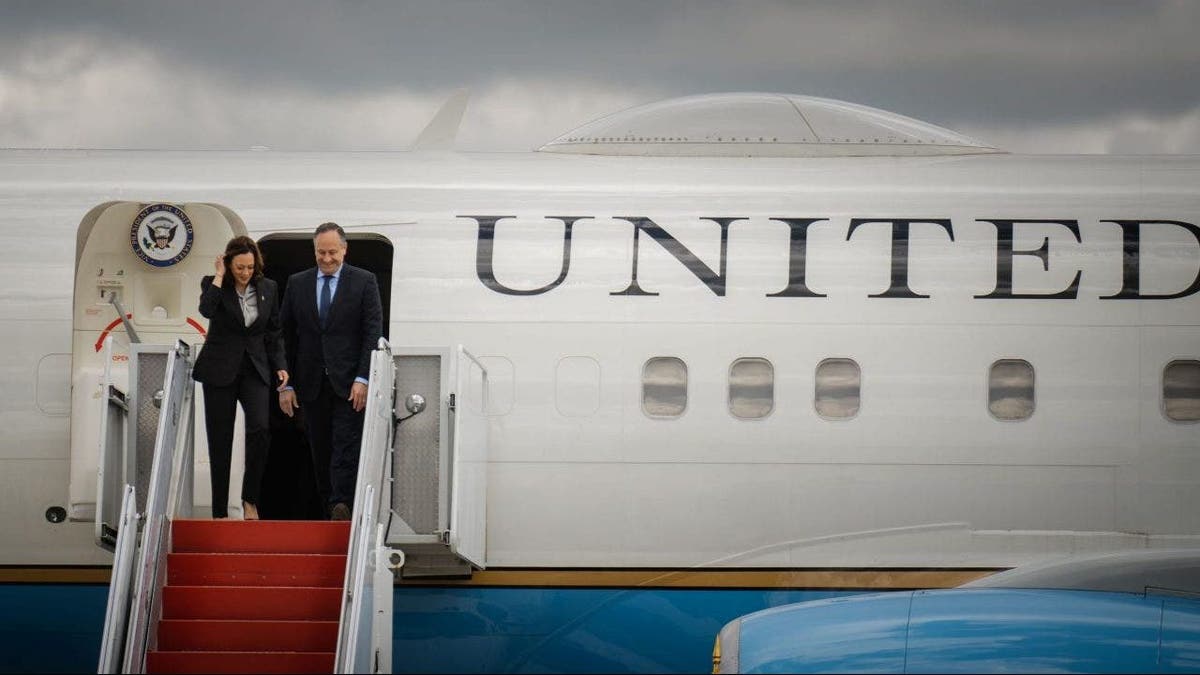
(438, 508)
(468, 484)
(129, 427)
(116, 467)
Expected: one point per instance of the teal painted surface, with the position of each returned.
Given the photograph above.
(535, 630)
(57, 628)
(51, 628)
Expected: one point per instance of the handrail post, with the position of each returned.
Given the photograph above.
(369, 503)
(116, 614)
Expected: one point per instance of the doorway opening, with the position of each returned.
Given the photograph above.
(289, 487)
(286, 254)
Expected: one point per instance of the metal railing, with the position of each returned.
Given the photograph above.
(367, 595)
(116, 615)
(169, 493)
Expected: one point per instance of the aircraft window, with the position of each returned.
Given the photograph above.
(1010, 390)
(664, 387)
(838, 388)
(751, 388)
(1181, 391)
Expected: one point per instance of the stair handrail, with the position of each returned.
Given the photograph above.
(355, 657)
(166, 476)
(116, 613)
(373, 497)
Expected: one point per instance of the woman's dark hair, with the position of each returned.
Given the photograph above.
(240, 245)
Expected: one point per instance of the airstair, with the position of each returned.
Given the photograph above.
(191, 595)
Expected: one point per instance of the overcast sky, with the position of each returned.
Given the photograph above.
(1064, 77)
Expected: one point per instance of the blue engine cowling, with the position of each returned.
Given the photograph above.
(971, 630)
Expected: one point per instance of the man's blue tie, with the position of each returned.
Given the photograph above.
(323, 306)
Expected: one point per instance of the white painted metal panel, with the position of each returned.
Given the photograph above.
(111, 479)
(469, 486)
(1098, 433)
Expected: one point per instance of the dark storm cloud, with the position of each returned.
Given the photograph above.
(1099, 48)
(352, 46)
(1022, 61)
(1000, 63)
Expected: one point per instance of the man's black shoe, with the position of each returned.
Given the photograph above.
(340, 512)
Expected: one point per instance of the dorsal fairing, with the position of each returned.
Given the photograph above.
(761, 125)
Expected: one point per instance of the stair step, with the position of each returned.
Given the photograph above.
(256, 569)
(427, 563)
(247, 636)
(286, 603)
(260, 536)
(239, 662)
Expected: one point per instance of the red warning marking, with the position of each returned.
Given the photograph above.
(196, 324)
(116, 322)
(107, 329)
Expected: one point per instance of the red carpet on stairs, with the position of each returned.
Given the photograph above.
(251, 597)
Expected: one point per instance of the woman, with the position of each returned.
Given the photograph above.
(242, 349)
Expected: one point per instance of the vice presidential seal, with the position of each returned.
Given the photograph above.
(161, 235)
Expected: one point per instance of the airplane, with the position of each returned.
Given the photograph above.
(742, 350)
(1128, 612)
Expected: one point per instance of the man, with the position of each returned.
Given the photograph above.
(332, 319)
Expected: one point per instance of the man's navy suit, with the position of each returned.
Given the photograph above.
(324, 361)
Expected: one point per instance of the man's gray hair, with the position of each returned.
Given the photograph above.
(330, 227)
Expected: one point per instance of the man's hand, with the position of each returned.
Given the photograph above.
(282, 375)
(358, 396)
(288, 402)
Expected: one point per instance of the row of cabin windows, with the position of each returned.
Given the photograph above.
(838, 384)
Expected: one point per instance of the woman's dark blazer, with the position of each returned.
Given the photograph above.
(229, 337)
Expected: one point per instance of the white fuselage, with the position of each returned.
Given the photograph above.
(579, 475)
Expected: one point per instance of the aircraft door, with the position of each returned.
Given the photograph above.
(129, 431)
(114, 462)
(470, 441)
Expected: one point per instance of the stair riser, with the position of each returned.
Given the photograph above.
(247, 636)
(262, 536)
(256, 604)
(240, 569)
(238, 662)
